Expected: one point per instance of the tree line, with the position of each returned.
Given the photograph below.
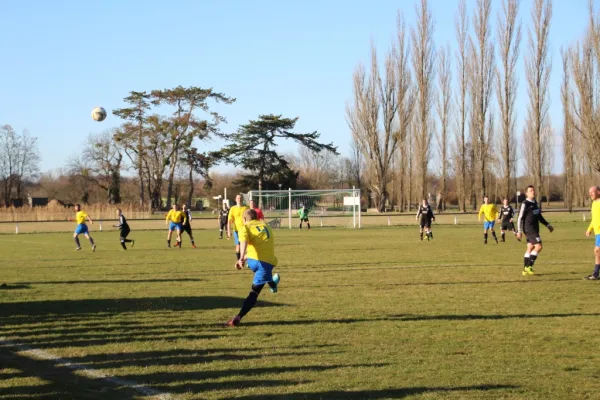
(421, 101)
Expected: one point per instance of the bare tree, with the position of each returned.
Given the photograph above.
(509, 38)
(423, 58)
(568, 143)
(443, 105)
(537, 69)
(19, 162)
(462, 28)
(405, 104)
(371, 121)
(481, 91)
(104, 157)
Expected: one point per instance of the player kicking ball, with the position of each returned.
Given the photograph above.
(257, 248)
(530, 216)
(81, 217)
(426, 214)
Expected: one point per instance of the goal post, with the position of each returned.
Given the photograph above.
(326, 208)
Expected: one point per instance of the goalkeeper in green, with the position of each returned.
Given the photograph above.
(303, 214)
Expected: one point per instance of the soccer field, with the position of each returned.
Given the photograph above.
(359, 314)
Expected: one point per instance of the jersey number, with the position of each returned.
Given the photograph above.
(263, 230)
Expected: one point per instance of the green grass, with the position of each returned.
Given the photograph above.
(360, 314)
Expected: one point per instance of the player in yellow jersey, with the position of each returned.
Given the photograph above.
(175, 220)
(490, 214)
(81, 217)
(595, 227)
(236, 217)
(257, 247)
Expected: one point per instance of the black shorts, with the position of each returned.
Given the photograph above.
(223, 224)
(425, 223)
(124, 232)
(508, 226)
(187, 229)
(533, 238)
(304, 219)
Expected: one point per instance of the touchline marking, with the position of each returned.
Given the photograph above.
(88, 372)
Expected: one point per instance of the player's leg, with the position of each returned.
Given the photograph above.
(178, 230)
(527, 258)
(273, 284)
(429, 231)
(308, 223)
(188, 229)
(76, 238)
(247, 305)
(170, 234)
(596, 273)
(537, 248)
(221, 228)
(421, 229)
(300, 223)
(485, 233)
(503, 229)
(236, 241)
(88, 237)
(493, 233)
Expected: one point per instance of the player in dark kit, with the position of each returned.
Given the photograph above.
(124, 227)
(223, 217)
(506, 216)
(187, 226)
(530, 216)
(426, 214)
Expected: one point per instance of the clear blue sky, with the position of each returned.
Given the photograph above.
(61, 58)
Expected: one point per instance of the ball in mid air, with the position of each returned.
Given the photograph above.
(99, 114)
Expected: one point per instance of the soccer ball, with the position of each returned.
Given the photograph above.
(99, 114)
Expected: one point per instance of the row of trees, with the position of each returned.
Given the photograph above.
(19, 163)
(410, 106)
(158, 148)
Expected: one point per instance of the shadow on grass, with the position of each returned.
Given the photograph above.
(87, 307)
(110, 281)
(14, 286)
(417, 318)
(376, 394)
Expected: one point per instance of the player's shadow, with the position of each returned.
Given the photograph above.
(50, 309)
(399, 393)
(110, 281)
(15, 286)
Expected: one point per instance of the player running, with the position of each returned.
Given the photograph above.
(223, 217)
(175, 220)
(303, 214)
(595, 227)
(187, 226)
(530, 216)
(506, 218)
(81, 217)
(124, 227)
(426, 214)
(236, 217)
(257, 247)
(490, 213)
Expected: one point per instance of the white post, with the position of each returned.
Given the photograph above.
(100, 225)
(583, 217)
(225, 195)
(455, 222)
(359, 210)
(354, 207)
(290, 207)
(389, 222)
(321, 218)
(17, 228)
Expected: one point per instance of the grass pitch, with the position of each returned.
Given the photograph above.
(360, 314)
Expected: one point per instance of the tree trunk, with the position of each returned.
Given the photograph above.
(191, 187)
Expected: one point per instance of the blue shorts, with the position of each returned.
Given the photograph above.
(175, 226)
(236, 238)
(81, 228)
(263, 272)
(597, 240)
(488, 225)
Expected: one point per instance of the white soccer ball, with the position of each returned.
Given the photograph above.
(99, 114)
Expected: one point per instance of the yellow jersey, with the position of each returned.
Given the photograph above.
(261, 244)
(595, 223)
(176, 216)
(489, 211)
(236, 215)
(81, 217)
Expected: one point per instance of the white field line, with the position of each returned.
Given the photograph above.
(88, 372)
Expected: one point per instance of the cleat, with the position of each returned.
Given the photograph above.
(591, 278)
(485, 242)
(530, 271)
(77, 249)
(132, 243)
(193, 245)
(235, 321)
(93, 247)
(524, 272)
(168, 246)
(276, 279)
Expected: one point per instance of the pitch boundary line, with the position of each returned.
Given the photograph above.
(88, 372)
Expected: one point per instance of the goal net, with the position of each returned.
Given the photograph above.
(326, 208)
